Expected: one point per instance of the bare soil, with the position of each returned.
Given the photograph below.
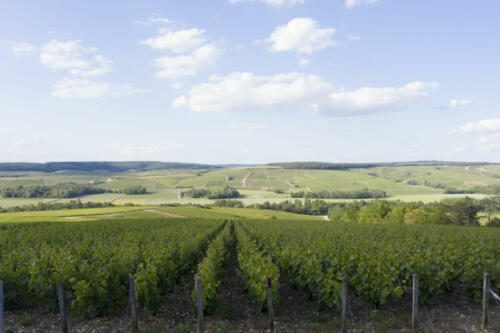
(164, 213)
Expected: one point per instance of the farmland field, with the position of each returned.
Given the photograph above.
(260, 184)
(234, 250)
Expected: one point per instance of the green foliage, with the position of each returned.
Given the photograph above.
(379, 260)
(460, 212)
(225, 193)
(41, 206)
(94, 260)
(255, 267)
(359, 194)
(210, 268)
(139, 189)
(62, 190)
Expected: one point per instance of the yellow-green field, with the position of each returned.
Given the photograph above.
(260, 184)
(141, 212)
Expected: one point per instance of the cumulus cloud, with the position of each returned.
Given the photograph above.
(302, 35)
(456, 103)
(90, 89)
(172, 67)
(73, 57)
(23, 49)
(368, 100)
(179, 41)
(190, 52)
(249, 92)
(486, 125)
(81, 63)
(354, 3)
(155, 19)
(295, 91)
(274, 3)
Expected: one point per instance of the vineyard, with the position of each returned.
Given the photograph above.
(94, 260)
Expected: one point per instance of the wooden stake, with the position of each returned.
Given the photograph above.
(2, 314)
(486, 290)
(133, 305)
(344, 304)
(414, 313)
(270, 304)
(62, 307)
(200, 305)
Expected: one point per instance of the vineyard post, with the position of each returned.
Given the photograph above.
(344, 304)
(414, 313)
(486, 288)
(133, 306)
(200, 305)
(270, 304)
(2, 315)
(62, 307)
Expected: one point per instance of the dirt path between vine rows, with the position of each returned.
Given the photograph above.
(155, 211)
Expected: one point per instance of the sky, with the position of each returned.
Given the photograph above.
(249, 81)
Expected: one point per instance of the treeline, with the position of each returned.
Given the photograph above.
(73, 204)
(101, 166)
(359, 194)
(487, 189)
(62, 190)
(347, 166)
(139, 189)
(225, 193)
(307, 207)
(462, 212)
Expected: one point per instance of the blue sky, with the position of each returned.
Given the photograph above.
(242, 81)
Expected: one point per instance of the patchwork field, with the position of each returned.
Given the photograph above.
(260, 184)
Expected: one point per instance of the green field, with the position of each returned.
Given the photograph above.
(260, 184)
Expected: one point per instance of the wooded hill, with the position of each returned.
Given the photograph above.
(101, 166)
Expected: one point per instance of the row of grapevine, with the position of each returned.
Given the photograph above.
(95, 259)
(210, 268)
(255, 267)
(379, 260)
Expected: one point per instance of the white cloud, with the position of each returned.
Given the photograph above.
(302, 35)
(24, 49)
(459, 149)
(353, 37)
(177, 41)
(71, 56)
(155, 19)
(249, 92)
(186, 65)
(369, 100)
(354, 3)
(489, 138)
(456, 103)
(88, 89)
(486, 125)
(23, 142)
(190, 52)
(295, 91)
(304, 62)
(274, 3)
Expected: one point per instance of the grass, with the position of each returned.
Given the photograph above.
(62, 215)
(262, 182)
